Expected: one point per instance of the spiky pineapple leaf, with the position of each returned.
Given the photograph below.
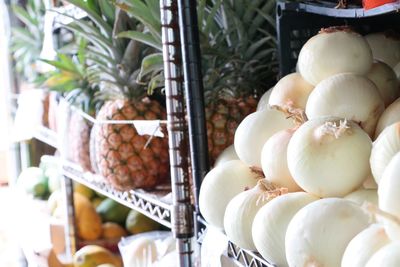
(23, 15)
(142, 12)
(152, 63)
(108, 10)
(145, 38)
(93, 15)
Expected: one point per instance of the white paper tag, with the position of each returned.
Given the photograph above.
(29, 114)
(152, 128)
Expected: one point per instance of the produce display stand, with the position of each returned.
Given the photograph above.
(296, 23)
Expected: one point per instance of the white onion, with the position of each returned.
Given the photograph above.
(361, 195)
(274, 161)
(228, 154)
(263, 102)
(369, 182)
(385, 79)
(388, 256)
(389, 195)
(242, 209)
(319, 233)
(364, 245)
(384, 148)
(270, 224)
(220, 185)
(397, 70)
(331, 52)
(384, 47)
(329, 157)
(255, 130)
(347, 96)
(388, 117)
(291, 93)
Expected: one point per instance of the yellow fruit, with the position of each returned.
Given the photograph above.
(96, 201)
(106, 265)
(137, 223)
(93, 256)
(113, 230)
(83, 190)
(88, 222)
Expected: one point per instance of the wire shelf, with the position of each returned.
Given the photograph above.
(247, 258)
(46, 135)
(150, 204)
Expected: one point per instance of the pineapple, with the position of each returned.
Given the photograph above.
(69, 77)
(239, 59)
(125, 158)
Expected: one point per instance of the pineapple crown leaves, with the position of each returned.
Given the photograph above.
(70, 77)
(27, 39)
(113, 63)
(237, 40)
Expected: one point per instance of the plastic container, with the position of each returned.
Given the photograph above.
(298, 21)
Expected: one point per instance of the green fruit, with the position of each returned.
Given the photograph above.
(137, 223)
(34, 182)
(112, 211)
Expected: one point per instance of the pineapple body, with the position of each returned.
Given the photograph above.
(121, 154)
(222, 118)
(79, 139)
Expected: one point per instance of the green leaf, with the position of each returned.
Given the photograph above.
(211, 16)
(253, 48)
(145, 38)
(152, 63)
(106, 28)
(23, 15)
(108, 10)
(141, 12)
(59, 65)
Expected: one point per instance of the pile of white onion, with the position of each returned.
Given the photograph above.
(332, 131)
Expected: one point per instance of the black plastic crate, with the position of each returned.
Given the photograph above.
(298, 21)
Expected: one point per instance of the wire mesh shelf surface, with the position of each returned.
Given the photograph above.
(247, 258)
(46, 135)
(153, 204)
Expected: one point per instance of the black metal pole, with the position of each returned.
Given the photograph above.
(182, 209)
(191, 57)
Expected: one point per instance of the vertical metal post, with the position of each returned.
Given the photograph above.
(69, 229)
(182, 210)
(191, 57)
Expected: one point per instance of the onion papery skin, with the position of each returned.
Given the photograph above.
(347, 96)
(388, 117)
(327, 165)
(255, 130)
(385, 79)
(228, 154)
(384, 48)
(274, 160)
(330, 53)
(220, 185)
(270, 224)
(264, 99)
(388, 256)
(291, 93)
(369, 182)
(319, 233)
(389, 196)
(361, 195)
(384, 148)
(242, 209)
(364, 245)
